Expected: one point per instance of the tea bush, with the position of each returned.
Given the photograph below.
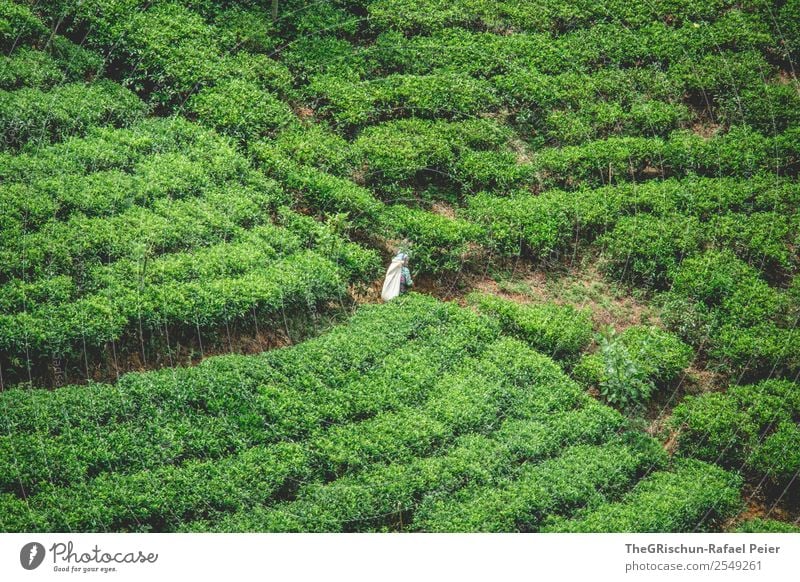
(630, 366)
(759, 525)
(31, 117)
(751, 426)
(561, 332)
(695, 496)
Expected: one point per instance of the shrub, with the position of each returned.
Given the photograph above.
(778, 457)
(32, 117)
(750, 426)
(246, 28)
(171, 51)
(582, 474)
(414, 148)
(788, 18)
(26, 67)
(325, 57)
(769, 108)
(719, 300)
(539, 225)
(322, 192)
(440, 95)
(760, 525)
(561, 332)
(18, 25)
(597, 163)
(240, 109)
(315, 145)
(630, 366)
(694, 496)
(624, 382)
(438, 243)
(646, 249)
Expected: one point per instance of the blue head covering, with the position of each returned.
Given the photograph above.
(400, 257)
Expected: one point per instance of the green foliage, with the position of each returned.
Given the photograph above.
(753, 426)
(718, 299)
(582, 475)
(443, 95)
(789, 30)
(320, 190)
(439, 243)
(33, 117)
(240, 109)
(624, 382)
(18, 25)
(694, 497)
(28, 68)
(315, 145)
(175, 52)
(561, 332)
(177, 231)
(631, 365)
(411, 149)
(644, 248)
(759, 525)
(660, 136)
(769, 108)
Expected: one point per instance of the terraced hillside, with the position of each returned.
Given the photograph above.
(601, 196)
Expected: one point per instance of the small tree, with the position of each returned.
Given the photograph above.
(625, 383)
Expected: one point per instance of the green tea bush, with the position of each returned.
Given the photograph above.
(413, 148)
(561, 332)
(628, 368)
(240, 109)
(537, 225)
(260, 70)
(582, 474)
(788, 18)
(556, 219)
(719, 300)
(760, 525)
(438, 244)
(442, 95)
(769, 108)
(694, 496)
(597, 163)
(778, 457)
(314, 145)
(321, 191)
(387, 495)
(231, 403)
(176, 230)
(26, 67)
(645, 249)
(762, 239)
(317, 57)
(497, 171)
(31, 117)
(19, 26)
(553, 15)
(160, 499)
(171, 50)
(248, 28)
(722, 74)
(751, 426)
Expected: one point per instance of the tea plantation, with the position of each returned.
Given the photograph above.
(184, 184)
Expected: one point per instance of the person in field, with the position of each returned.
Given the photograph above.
(398, 278)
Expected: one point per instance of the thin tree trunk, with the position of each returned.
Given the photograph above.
(274, 10)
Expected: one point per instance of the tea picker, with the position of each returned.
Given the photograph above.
(398, 277)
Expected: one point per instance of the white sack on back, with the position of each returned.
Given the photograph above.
(391, 284)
